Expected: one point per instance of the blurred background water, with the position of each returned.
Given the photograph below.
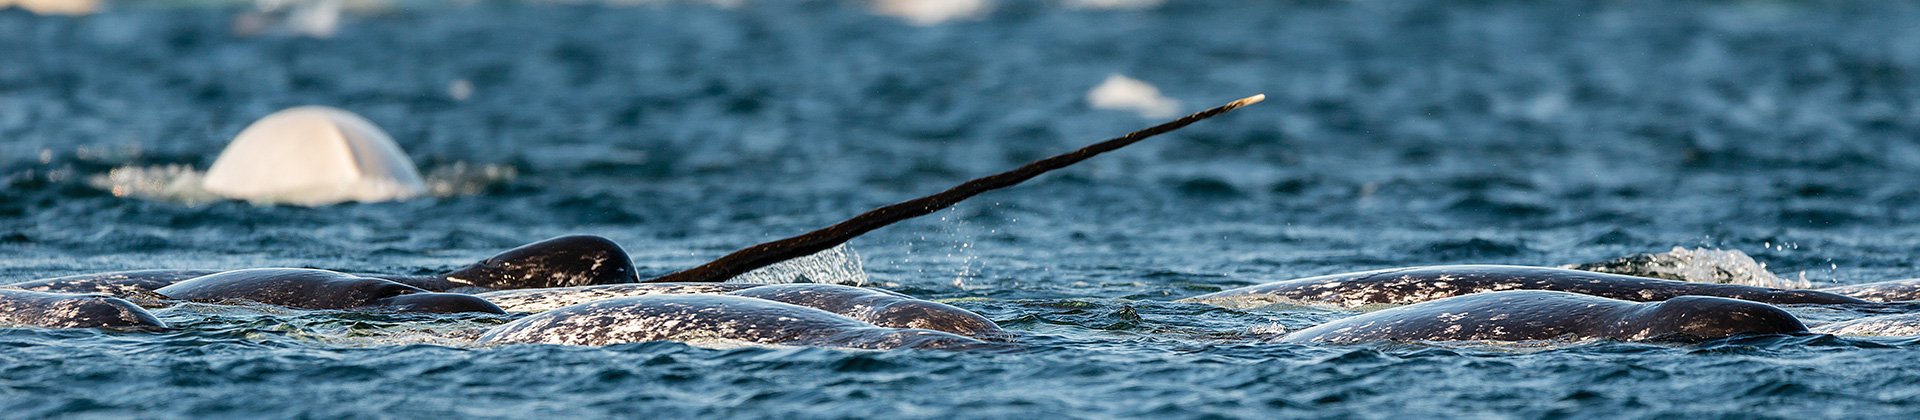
(1395, 133)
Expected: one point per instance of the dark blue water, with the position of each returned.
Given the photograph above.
(1395, 134)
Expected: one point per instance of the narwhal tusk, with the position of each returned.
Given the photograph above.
(769, 253)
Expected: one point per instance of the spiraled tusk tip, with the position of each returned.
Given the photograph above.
(1250, 100)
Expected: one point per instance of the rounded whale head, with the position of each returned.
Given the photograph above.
(1695, 318)
(572, 260)
(64, 310)
(313, 155)
(92, 311)
(938, 316)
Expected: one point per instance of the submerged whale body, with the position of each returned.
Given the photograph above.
(1895, 325)
(873, 306)
(1883, 291)
(542, 300)
(710, 320)
(570, 260)
(136, 284)
(313, 155)
(1403, 286)
(65, 310)
(1525, 315)
(321, 289)
(882, 308)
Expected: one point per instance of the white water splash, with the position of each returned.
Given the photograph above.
(955, 224)
(1128, 94)
(177, 183)
(930, 12)
(1699, 265)
(1114, 4)
(308, 18)
(463, 179)
(1273, 330)
(839, 265)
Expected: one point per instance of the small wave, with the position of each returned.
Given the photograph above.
(464, 179)
(1470, 248)
(178, 183)
(1699, 265)
(183, 184)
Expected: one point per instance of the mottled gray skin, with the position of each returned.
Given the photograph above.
(882, 308)
(65, 310)
(1885, 291)
(1523, 315)
(1403, 286)
(710, 320)
(134, 285)
(541, 300)
(878, 307)
(572, 260)
(320, 289)
(1896, 325)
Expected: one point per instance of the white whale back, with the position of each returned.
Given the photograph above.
(313, 155)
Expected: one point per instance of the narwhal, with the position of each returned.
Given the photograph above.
(593, 269)
(818, 315)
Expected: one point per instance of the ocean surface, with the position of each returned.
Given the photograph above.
(1395, 133)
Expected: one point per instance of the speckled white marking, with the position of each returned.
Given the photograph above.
(873, 306)
(1886, 291)
(541, 300)
(700, 319)
(1422, 284)
(1530, 315)
(62, 310)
